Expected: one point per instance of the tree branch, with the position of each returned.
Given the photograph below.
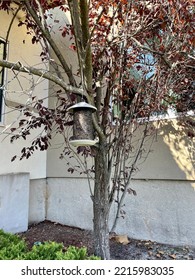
(88, 68)
(47, 36)
(127, 181)
(44, 74)
(161, 54)
(75, 18)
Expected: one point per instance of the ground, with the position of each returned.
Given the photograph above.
(134, 250)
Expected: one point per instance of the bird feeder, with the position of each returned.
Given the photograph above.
(83, 131)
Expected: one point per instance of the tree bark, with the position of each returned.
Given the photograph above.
(101, 205)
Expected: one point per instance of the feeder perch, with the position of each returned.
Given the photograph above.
(83, 131)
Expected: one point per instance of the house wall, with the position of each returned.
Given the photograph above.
(163, 209)
(21, 200)
(171, 156)
(20, 49)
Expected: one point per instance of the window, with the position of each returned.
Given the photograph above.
(171, 105)
(2, 75)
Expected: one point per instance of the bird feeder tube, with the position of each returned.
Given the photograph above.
(83, 131)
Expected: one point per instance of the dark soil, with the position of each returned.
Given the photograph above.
(135, 250)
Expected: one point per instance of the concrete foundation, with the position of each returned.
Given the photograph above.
(14, 202)
(162, 211)
(37, 201)
(69, 202)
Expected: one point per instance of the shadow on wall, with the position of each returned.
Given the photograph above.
(181, 143)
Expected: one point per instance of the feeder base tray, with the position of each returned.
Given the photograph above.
(83, 142)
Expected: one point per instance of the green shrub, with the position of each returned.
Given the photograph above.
(45, 251)
(54, 251)
(74, 253)
(13, 247)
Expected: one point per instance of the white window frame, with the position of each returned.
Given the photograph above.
(169, 115)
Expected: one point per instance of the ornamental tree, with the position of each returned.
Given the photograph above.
(135, 61)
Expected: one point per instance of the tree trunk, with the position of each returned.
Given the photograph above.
(101, 206)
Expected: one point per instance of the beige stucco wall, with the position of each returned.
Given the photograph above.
(171, 157)
(172, 154)
(20, 49)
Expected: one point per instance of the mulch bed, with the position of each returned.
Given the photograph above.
(135, 250)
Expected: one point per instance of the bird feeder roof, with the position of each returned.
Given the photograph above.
(82, 105)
